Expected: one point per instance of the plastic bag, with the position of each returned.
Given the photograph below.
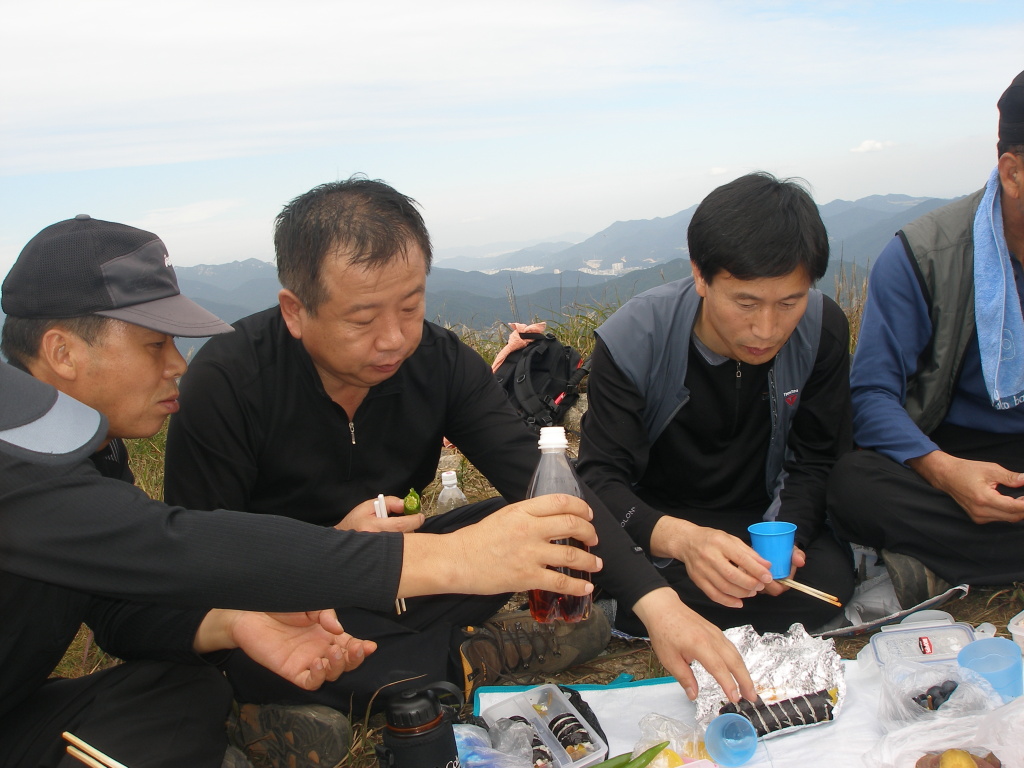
(873, 599)
(1000, 731)
(902, 681)
(684, 739)
(476, 751)
(1003, 732)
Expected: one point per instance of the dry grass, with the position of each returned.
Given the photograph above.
(851, 290)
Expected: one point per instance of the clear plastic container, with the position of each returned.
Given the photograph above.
(451, 496)
(924, 642)
(1016, 629)
(540, 706)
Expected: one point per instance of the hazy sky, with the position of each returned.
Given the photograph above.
(506, 120)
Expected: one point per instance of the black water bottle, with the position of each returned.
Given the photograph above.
(418, 734)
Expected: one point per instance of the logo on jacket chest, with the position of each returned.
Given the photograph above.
(791, 396)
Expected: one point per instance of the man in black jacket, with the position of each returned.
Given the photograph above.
(92, 309)
(343, 392)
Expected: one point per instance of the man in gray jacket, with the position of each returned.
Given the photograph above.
(722, 400)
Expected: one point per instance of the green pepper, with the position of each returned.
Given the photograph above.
(624, 761)
(619, 761)
(412, 502)
(645, 757)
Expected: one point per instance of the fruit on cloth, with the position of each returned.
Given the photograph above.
(957, 758)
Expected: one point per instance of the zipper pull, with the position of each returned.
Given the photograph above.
(352, 431)
(739, 378)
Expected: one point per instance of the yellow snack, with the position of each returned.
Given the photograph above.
(666, 759)
(956, 758)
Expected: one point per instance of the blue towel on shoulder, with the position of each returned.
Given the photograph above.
(997, 310)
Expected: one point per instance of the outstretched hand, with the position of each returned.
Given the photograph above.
(510, 550)
(306, 649)
(363, 517)
(974, 485)
(680, 636)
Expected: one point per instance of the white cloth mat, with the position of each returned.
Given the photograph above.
(842, 742)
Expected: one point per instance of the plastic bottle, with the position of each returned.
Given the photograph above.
(451, 496)
(554, 474)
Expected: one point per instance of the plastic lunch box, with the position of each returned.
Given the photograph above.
(924, 642)
(539, 706)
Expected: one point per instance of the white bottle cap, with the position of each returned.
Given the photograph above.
(553, 438)
(449, 479)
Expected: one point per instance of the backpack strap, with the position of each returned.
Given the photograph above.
(538, 409)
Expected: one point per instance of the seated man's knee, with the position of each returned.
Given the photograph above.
(852, 480)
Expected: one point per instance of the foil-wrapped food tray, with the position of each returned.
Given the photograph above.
(799, 679)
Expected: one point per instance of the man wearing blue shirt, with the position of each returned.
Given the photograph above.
(938, 390)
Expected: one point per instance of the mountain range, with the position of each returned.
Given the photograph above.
(480, 287)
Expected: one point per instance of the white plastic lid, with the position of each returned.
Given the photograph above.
(553, 439)
(449, 479)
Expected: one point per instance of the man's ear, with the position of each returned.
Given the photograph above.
(293, 311)
(1011, 175)
(699, 283)
(60, 356)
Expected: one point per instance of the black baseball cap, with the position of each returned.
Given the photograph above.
(85, 266)
(1011, 113)
(44, 426)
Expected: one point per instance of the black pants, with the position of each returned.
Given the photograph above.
(829, 568)
(143, 714)
(418, 647)
(876, 502)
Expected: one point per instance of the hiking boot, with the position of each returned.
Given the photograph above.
(516, 648)
(291, 735)
(235, 758)
(912, 581)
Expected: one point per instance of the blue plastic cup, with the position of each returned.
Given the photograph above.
(998, 660)
(774, 542)
(730, 740)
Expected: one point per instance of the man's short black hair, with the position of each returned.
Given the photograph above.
(22, 336)
(366, 220)
(1002, 148)
(758, 226)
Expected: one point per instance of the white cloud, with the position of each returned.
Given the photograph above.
(193, 213)
(719, 170)
(870, 145)
(121, 83)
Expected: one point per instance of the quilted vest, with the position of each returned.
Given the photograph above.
(940, 246)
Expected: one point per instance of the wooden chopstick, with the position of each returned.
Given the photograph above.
(84, 758)
(88, 754)
(811, 591)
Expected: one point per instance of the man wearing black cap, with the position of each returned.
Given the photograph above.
(92, 309)
(94, 304)
(165, 706)
(938, 390)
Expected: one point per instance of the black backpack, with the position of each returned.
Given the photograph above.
(542, 380)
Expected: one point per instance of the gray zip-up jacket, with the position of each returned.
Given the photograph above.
(649, 338)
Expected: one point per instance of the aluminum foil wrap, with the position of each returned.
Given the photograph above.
(782, 667)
